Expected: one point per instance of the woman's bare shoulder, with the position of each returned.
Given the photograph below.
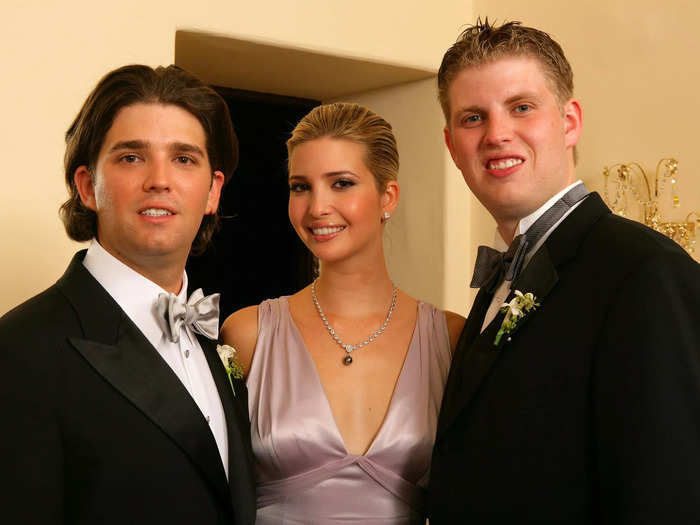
(240, 330)
(455, 324)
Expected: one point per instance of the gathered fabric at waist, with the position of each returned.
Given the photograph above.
(343, 488)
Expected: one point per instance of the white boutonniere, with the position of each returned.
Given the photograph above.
(515, 310)
(228, 357)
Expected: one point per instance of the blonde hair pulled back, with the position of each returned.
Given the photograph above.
(358, 124)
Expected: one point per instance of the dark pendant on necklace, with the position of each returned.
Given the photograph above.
(347, 359)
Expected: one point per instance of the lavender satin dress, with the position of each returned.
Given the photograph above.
(304, 473)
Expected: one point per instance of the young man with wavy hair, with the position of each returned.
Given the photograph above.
(120, 408)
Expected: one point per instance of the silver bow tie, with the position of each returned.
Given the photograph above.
(200, 313)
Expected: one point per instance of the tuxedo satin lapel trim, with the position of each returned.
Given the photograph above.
(240, 468)
(565, 240)
(136, 370)
(122, 355)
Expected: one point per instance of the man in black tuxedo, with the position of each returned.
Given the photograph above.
(579, 404)
(117, 407)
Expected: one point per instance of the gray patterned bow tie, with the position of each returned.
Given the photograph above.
(199, 312)
(493, 266)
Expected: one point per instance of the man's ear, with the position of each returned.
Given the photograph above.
(86, 187)
(217, 182)
(448, 143)
(573, 122)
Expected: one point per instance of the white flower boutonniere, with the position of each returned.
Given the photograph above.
(228, 357)
(515, 310)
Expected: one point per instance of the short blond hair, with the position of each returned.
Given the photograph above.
(358, 124)
(484, 42)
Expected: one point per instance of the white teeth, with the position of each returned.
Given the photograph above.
(327, 231)
(503, 164)
(155, 212)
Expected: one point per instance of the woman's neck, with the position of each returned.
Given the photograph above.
(354, 291)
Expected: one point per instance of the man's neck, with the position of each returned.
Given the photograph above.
(510, 227)
(166, 272)
(507, 230)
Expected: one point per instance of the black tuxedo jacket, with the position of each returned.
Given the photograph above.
(99, 429)
(590, 412)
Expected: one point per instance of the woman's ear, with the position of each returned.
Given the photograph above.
(390, 198)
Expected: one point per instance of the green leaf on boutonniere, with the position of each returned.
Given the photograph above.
(515, 310)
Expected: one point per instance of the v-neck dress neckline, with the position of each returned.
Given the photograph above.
(304, 472)
(301, 345)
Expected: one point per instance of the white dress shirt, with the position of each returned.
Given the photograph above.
(501, 293)
(136, 295)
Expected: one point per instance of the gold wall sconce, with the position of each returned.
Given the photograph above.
(627, 188)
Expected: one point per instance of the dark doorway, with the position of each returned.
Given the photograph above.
(256, 254)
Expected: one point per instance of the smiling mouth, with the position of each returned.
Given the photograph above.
(327, 230)
(155, 212)
(503, 164)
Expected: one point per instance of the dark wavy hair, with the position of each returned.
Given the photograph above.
(139, 84)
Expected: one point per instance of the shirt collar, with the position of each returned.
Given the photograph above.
(526, 222)
(134, 293)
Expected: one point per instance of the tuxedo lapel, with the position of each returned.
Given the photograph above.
(122, 355)
(237, 427)
(476, 353)
(460, 359)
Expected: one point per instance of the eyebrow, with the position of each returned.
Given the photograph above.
(129, 144)
(184, 147)
(140, 145)
(327, 174)
(515, 98)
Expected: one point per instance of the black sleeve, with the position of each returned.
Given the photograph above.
(646, 397)
(30, 442)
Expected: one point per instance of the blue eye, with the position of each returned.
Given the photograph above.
(523, 108)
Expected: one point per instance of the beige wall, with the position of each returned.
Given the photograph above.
(635, 66)
(636, 74)
(54, 52)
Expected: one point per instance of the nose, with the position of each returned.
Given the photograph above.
(157, 176)
(319, 203)
(498, 130)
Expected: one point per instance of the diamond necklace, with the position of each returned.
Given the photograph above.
(349, 348)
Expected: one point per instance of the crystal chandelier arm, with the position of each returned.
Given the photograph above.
(644, 176)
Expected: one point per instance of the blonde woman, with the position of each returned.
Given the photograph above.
(345, 377)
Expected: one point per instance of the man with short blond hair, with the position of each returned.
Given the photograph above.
(574, 393)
